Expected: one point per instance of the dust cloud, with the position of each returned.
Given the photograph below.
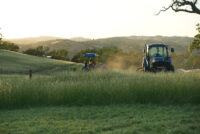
(124, 62)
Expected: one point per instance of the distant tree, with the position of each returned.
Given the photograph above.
(61, 54)
(8, 46)
(195, 45)
(33, 52)
(39, 51)
(0, 36)
(189, 6)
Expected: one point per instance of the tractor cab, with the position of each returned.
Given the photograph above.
(90, 61)
(157, 58)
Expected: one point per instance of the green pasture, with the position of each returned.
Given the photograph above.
(113, 119)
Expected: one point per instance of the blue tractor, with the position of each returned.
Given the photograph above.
(89, 63)
(157, 58)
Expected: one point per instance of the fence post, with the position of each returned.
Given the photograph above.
(30, 74)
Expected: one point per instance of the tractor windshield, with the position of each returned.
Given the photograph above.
(158, 51)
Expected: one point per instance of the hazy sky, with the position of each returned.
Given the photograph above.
(92, 18)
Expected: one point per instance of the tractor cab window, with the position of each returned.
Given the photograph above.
(158, 51)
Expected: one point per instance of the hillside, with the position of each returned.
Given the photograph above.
(13, 62)
(127, 44)
(79, 39)
(137, 42)
(31, 40)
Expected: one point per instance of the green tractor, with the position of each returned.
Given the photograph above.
(157, 58)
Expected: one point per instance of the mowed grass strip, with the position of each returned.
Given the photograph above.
(99, 88)
(115, 119)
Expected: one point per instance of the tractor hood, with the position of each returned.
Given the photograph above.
(158, 59)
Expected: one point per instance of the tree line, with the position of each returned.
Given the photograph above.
(62, 54)
(8, 46)
(195, 45)
(43, 51)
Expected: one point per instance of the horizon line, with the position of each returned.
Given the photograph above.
(95, 38)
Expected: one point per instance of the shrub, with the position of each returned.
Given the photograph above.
(61, 54)
(8, 46)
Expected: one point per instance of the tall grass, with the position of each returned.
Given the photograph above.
(98, 88)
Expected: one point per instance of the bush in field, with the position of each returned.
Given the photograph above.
(39, 51)
(61, 54)
(8, 46)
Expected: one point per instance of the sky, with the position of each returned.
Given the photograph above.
(92, 19)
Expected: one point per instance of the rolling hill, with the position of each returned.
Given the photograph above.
(31, 40)
(127, 44)
(13, 62)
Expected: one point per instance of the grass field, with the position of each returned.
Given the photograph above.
(98, 88)
(59, 100)
(115, 119)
